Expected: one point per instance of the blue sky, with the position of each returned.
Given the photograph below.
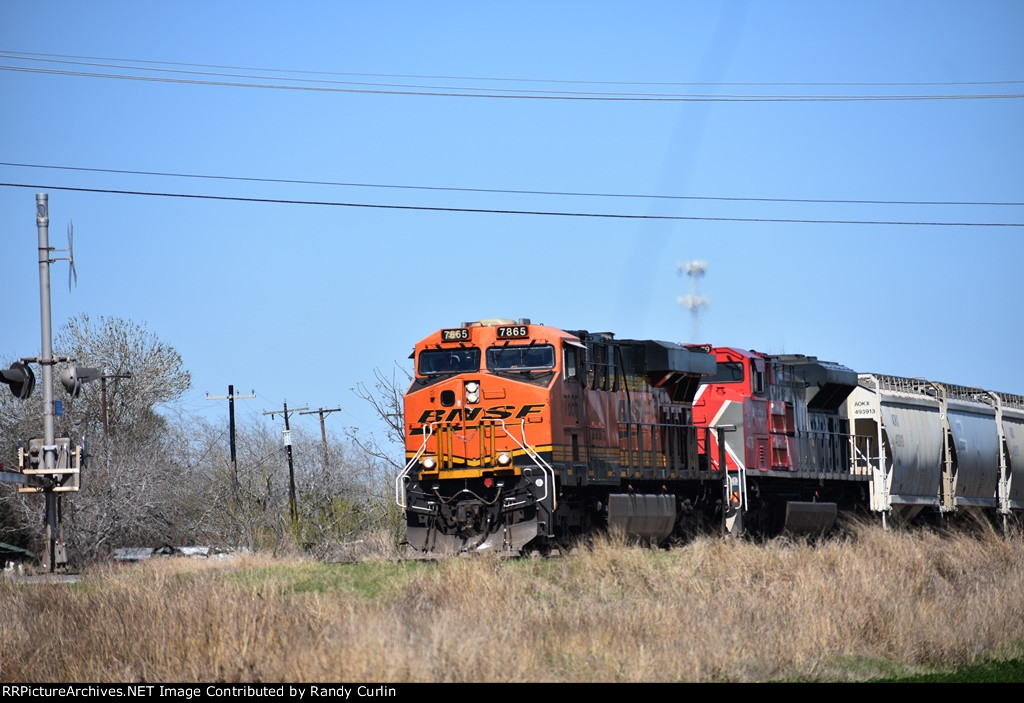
(302, 302)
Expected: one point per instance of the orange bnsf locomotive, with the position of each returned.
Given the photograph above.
(520, 434)
(523, 436)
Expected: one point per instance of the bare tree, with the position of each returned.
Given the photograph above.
(118, 348)
(384, 456)
(131, 484)
(338, 491)
(387, 398)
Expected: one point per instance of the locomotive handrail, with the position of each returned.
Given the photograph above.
(827, 449)
(741, 484)
(741, 470)
(722, 461)
(428, 430)
(532, 453)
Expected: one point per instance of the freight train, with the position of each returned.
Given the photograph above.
(522, 436)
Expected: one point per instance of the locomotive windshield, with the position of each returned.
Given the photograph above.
(728, 372)
(540, 356)
(435, 361)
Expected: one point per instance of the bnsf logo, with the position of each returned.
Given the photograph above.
(495, 412)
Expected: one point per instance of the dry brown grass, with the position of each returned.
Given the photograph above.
(714, 610)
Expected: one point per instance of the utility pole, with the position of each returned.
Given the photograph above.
(230, 397)
(323, 430)
(291, 466)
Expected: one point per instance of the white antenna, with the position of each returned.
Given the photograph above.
(70, 258)
(72, 273)
(694, 302)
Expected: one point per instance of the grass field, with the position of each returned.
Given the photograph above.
(874, 605)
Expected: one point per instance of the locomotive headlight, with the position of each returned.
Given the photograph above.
(472, 392)
(428, 463)
(504, 459)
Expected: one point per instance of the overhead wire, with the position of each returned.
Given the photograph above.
(547, 213)
(530, 94)
(20, 54)
(505, 191)
(452, 92)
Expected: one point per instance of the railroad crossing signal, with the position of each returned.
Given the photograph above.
(20, 379)
(74, 376)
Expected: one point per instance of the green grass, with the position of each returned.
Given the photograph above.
(878, 670)
(1011, 671)
(369, 580)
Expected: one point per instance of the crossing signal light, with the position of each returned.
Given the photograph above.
(35, 455)
(74, 376)
(20, 379)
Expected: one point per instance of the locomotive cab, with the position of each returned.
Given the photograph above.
(479, 435)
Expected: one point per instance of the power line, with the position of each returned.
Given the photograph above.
(310, 80)
(549, 213)
(18, 54)
(564, 93)
(535, 95)
(505, 191)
